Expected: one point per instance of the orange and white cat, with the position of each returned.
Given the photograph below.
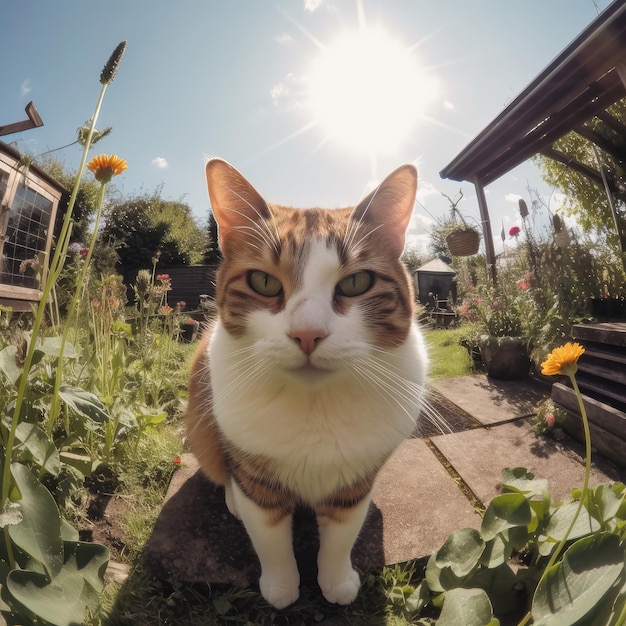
(313, 372)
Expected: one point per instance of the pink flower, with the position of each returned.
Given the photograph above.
(522, 284)
(514, 231)
(163, 277)
(550, 420)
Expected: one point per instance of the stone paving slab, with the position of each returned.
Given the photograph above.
(480, 455)
(415, 506)
(492, 401)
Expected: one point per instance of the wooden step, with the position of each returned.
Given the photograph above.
(607, 370)
(617, 357)
(602, 390)
(607, 423)
(611, 333)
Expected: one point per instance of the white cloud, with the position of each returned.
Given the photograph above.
(160, 163)
(448, 106)
(312, 5)
(25, 88)
(279, 92)
(512, 197)
(426, 189)
(284, 39)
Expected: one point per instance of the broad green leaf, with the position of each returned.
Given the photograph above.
(466, 607)
(8, 364)
(41, 449)
(519, 479)
(461, 552)
(63, 600)
(52, 347)
(84, 403)
(418, 599)
(606, 501)
(573, 588)
(11, 514)
(562, 518)
(503, 512)
(496, 552)
(81, 462)
(39, 533)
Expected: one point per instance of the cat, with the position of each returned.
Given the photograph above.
(312, 373)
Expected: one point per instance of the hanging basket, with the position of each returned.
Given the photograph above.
(463, 242)
(562, 239)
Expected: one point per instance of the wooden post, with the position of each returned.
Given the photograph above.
(487, 236)
(33, 121)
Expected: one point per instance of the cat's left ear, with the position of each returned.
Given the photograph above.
(235, 203)
(390, 205)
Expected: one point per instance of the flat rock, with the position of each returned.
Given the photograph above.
(480, 455)
(492, 401)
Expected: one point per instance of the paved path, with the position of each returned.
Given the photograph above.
(428, 489)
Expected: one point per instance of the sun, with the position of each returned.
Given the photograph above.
(367, 91)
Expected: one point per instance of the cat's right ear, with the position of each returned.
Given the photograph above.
(237, 206)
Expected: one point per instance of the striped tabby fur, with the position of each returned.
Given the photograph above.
(312, 373)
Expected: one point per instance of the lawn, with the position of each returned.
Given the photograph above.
(447, 357)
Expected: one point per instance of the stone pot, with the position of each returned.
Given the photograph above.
(505, 358)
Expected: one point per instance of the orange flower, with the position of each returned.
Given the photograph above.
(166, 309)
(562, 360)
(105, 167)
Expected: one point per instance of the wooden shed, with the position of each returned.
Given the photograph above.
(29, 203)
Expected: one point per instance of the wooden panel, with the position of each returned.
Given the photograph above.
(606, 417)
(611, 333)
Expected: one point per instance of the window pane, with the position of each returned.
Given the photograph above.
(26, 235)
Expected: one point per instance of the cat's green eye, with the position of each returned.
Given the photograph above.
(355, 284)
(264, 283)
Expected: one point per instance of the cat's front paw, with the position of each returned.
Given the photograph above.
(279, 593)
(340, 590)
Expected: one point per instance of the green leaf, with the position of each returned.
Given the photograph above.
(561, 519)
(497, 551)
(606, 501)
(41, 449)
(466, 607)
(84, 403)
(52, 347)
(572, 589)
(520, 480)
(461, 552)
(11, 514)
(63, 600)
(8, 364)
(505, 511)
(39, 533)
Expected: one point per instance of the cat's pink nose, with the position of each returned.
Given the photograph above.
(307, 339)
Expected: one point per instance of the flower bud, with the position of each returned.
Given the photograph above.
(110, 69)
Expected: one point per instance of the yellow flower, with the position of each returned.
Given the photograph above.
(105, 167)
(562, 360)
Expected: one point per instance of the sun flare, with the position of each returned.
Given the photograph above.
(367, 91)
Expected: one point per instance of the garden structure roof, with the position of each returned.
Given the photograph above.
(578, 86)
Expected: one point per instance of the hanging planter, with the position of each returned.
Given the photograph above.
(562, 239)
(463, 241)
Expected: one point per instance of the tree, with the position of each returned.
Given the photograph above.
(587, 199)
(145, 227)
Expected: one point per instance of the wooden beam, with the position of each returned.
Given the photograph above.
(603, 143)
(487, 235)
(33, 121)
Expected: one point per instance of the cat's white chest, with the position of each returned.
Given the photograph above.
(320, 439)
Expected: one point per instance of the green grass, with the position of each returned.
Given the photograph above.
(448, 357)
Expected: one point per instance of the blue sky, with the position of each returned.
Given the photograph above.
(233, 79)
